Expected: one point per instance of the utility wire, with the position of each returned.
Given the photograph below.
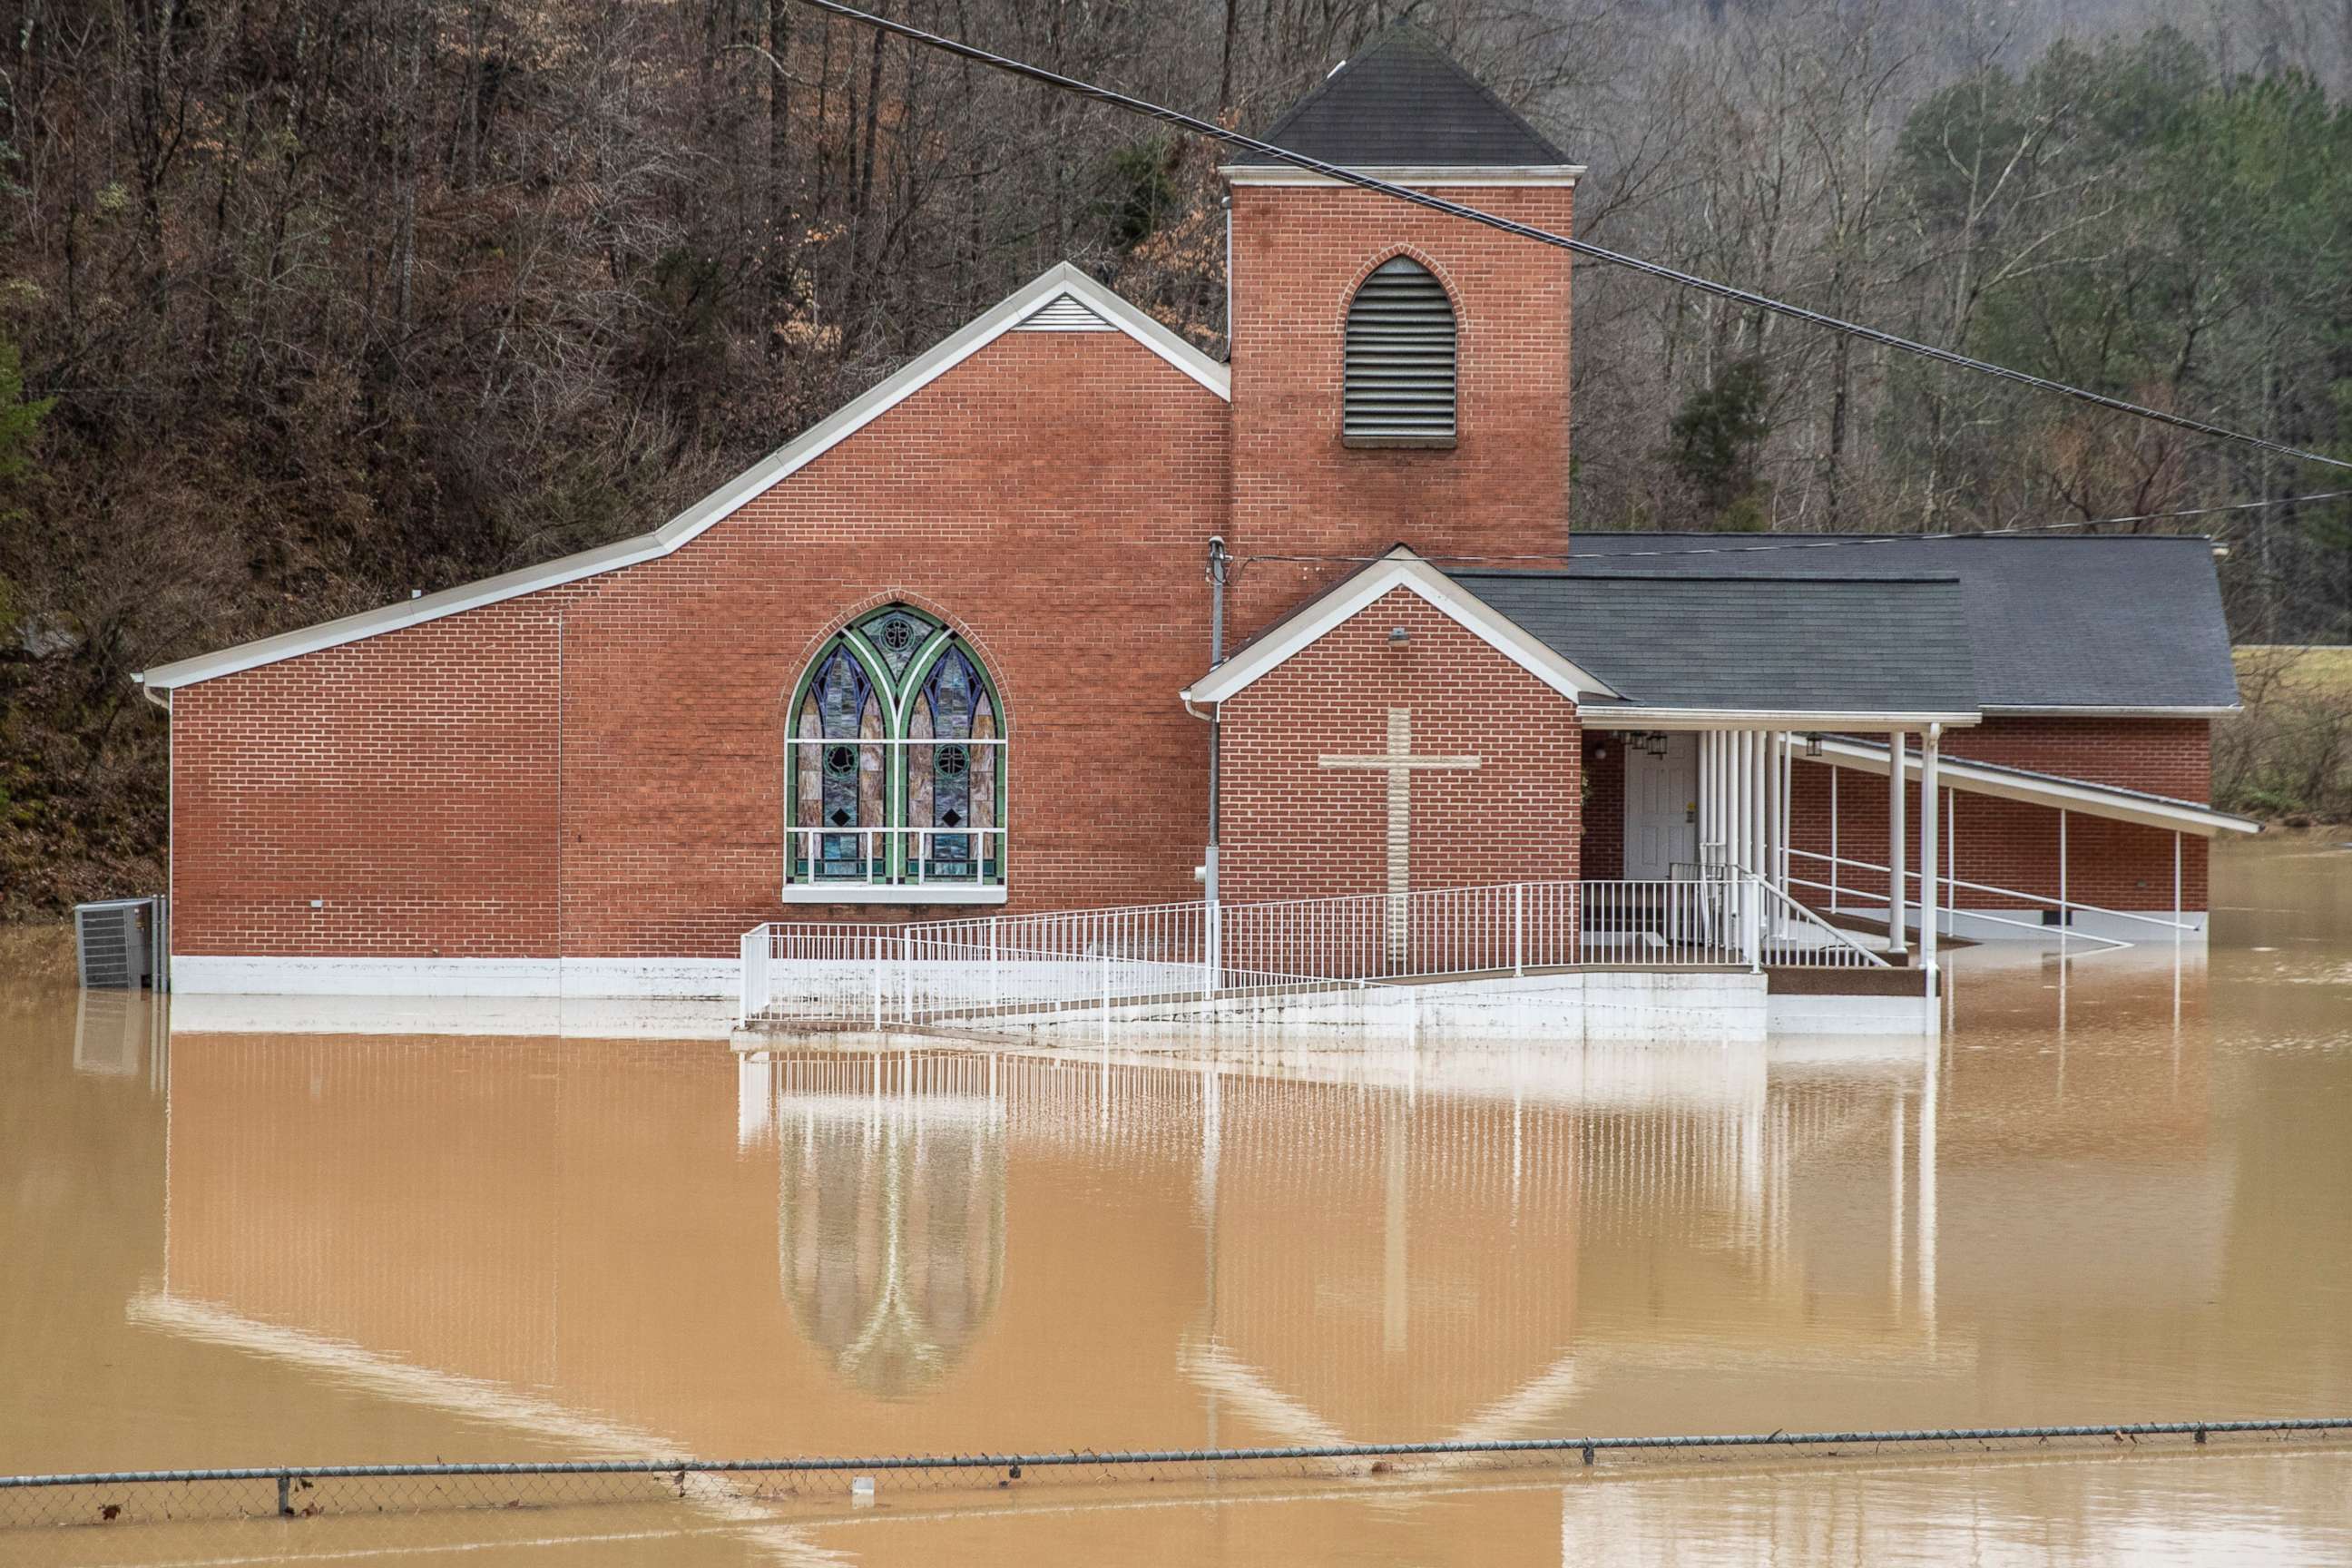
(1545, 237)
(1837, 542)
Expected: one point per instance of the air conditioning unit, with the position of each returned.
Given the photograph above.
(124, 943)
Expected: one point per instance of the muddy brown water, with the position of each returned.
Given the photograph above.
(2119, 1189)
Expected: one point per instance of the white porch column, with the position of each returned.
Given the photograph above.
(1789, 806)
(1742, 782)
(1897, 937)
(1756, 806)
(1833, 773)
(1709, 813)
(1931, 748)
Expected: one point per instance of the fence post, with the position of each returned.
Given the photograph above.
(743, 983)
(907, 976)
(1519, 928)
(1752, 933)
(878, 962)
(996, 988)
(285, 1495)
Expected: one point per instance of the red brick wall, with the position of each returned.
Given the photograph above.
(1052, 497)
(407, 782)
(2011, 844)
(1604, 806)
(2162, 756)
(1293, 828)
(1298, 254)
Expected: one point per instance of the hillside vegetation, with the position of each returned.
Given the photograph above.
(305, 304)
(2289, 754)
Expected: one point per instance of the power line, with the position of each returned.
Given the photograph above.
(1545, 237)
(1835, 542)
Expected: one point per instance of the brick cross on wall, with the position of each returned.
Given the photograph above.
(1400, 763)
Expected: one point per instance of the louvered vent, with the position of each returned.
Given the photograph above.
(1065, 315)
(1399, 364)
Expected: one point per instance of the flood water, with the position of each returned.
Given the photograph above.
(2119, 1189)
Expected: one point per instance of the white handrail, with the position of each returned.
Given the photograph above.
(2062, 904)
(1059, 961)
(1814, 921)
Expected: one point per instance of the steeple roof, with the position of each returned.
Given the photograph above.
(1403, 103)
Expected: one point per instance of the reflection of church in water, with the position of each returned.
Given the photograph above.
(979, 1249)
(889, 1219)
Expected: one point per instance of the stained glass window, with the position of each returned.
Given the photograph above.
(896, 773)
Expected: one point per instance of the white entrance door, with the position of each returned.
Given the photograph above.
(1661, 808)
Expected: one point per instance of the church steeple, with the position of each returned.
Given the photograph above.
(1398, 373)
(1401, 102)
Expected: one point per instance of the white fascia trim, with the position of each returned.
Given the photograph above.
(905, 897)
(1614, 718)
(1404, 570)
(2089, 799)
(1418, 175)
(2075, 710)
(1063, 281)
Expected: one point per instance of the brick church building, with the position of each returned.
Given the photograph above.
(951, 651)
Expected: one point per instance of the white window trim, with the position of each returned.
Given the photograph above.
(902, 894)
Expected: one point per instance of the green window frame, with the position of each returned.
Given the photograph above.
(896, 748)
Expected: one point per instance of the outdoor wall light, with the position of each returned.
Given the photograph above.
(1812, 748)
(1657, 746)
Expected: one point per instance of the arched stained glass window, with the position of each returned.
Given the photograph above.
(895, 775)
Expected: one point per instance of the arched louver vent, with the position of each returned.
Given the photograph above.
(1399, 366)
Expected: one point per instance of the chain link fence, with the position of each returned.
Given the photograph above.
(749, 1490)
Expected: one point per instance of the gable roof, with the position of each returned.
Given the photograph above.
(1834, 649)
(1403, 103)
(1055, 300)
(2123, 623)
(1399, 569)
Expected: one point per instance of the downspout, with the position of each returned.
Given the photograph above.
(1219, 565)
(170, 821)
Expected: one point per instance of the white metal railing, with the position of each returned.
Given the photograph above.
(1799, 937)
(1094, 961)
(1949, 913)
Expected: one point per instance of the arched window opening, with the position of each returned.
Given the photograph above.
(897, 775)
(1399, 385)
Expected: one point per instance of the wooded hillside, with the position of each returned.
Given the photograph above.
(305, 304)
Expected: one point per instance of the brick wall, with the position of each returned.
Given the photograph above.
(1298, 255)
(409, 783)
(1604, 806)
(1293, 828)
(1052, 498)
(2011, 844)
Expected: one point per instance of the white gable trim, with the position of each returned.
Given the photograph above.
(1062, 283)
(1401, 569)
(1420, 176)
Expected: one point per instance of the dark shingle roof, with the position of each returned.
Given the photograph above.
(1403, 103)
(1794, 645)
(2119, 622)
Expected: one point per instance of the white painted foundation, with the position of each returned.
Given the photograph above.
(694, 999)
(537, 977)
